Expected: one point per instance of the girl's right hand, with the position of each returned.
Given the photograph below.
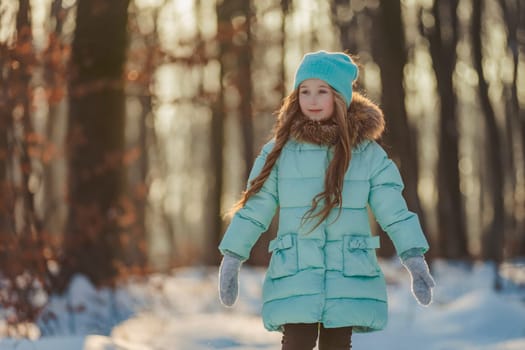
(422, 281)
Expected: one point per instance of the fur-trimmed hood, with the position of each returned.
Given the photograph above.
(368, 117)
(363, 114)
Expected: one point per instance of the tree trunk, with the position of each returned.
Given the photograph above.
(515, 129)
(56, 57)
(493, 235)
(6, 215)
(244, 83)
(235, 59)
(452, 239)
(286, 7)
(96, 180)
(21, 241)
(389, 50)
(216, 183)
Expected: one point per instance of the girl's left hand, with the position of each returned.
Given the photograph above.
(422, 281)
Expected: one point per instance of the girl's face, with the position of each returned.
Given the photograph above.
(316, 99)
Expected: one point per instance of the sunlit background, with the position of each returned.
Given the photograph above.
(182, 87)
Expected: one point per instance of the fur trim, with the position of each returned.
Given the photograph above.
(318, 132)
(363, 114)
(368, 118)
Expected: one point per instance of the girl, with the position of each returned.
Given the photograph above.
(322, 169)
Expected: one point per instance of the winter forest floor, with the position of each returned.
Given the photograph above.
(181, 311)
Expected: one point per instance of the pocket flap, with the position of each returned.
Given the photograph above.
(279, 243)
(361, 242)
(359, 258)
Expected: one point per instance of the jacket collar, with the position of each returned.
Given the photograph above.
(363, 114)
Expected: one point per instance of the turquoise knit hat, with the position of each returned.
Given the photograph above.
(335, 68)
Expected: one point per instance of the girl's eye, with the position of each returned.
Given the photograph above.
(304, 92)
(323, 91)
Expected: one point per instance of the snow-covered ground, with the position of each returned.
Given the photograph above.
(181, 311)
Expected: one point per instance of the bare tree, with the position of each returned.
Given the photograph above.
(493, 235)
(22, 258)
(217, 136)
(452, 239)
(286, 8)
(97, 214)
(55, 58)
(242, 42)
(513, 17)
(390, 54)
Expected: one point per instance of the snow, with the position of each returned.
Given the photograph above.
(181, 311)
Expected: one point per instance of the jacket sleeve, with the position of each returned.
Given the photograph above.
(389, 207)
(249, 222)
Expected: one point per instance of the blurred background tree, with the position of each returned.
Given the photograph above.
(128, 127)
(99, 213)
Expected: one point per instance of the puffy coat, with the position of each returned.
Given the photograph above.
(331, 274)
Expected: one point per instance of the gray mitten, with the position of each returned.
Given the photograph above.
(422, 281)
(229, 279)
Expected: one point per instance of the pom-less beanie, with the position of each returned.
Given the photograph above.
(335, 68)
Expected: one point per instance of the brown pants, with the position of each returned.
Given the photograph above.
(303, 336)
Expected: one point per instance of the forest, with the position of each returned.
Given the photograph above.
(128, 127)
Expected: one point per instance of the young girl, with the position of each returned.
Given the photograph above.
(322, 169)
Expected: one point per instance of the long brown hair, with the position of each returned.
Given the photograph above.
(342, 153)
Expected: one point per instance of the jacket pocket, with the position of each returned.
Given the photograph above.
(284, 261)
(359, 258)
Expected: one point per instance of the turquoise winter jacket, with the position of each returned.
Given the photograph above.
(331, 274)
